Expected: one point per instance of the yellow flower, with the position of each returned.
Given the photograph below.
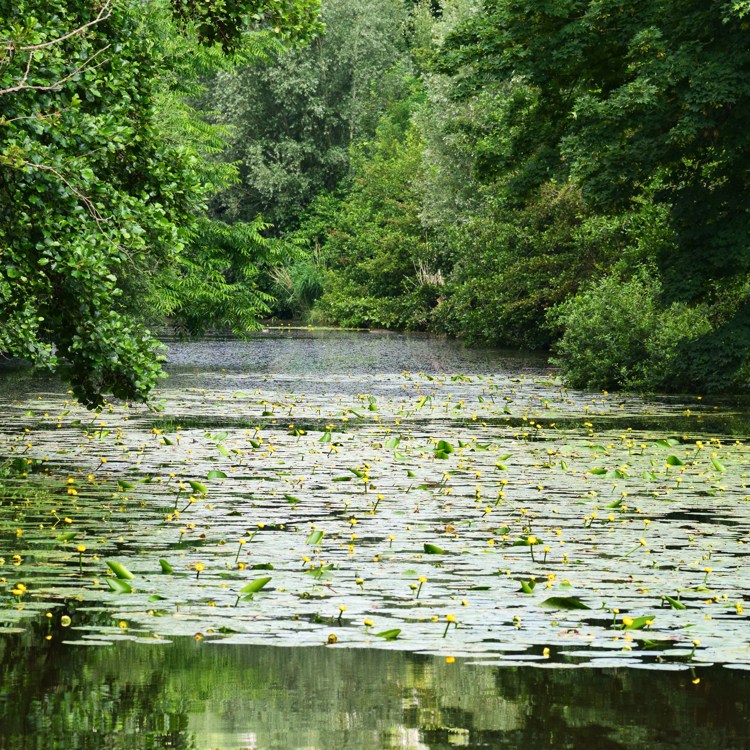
(450, 659)
(627, 621)
(81, 548)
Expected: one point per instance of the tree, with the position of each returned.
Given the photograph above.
(97, 192)
(296, 115)
(637, 104)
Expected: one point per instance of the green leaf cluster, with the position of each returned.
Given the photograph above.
(104, 177)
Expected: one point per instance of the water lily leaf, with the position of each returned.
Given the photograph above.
(156, 598)
(262, 566)
(640, 622)
(166, 441)
(433, 549)
(527, 587)
(674, 461)
(718, 465)
(389, 635)
(564, 602)
(198, 487)
(598, 471)
(118, 586)
(668, 443)
(342, 479)
(392, 443)
(123, 485)
(165, 566)
(617, 503)
(66, 537)
(224, 452)
(315, 537)
(326, 437)
(504, 458)
(254, 586)
(319, 572)
(444, 446)
(119, 570)
(674, 603)
(291, 499)
(357, 473)
(216, 474)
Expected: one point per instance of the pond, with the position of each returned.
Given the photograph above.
(327, 537)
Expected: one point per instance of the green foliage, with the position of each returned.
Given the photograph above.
(511, 266)
(103, 175)
(227, 22)
(618, 333)
(296, 115)
(381, 268)
(639, 105)
(215, 281)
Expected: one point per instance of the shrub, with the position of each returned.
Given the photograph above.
(617, 333)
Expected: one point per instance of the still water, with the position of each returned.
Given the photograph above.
(640, 507)
(210, 695)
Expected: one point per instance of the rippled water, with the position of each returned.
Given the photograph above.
(401, 493)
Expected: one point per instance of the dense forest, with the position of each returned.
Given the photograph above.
(570, 176)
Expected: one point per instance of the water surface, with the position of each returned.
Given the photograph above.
(409, 500)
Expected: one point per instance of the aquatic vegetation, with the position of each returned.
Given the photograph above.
(606, 528)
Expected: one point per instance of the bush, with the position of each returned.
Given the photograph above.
(617, 333)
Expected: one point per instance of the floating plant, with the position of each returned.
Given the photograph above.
(538, 517)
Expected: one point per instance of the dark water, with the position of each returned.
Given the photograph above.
(189, 694)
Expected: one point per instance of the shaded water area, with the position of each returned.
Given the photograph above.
(332, 539)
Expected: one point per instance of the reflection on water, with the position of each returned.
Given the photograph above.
(202, 695)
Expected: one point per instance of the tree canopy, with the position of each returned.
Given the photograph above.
(571, 176)
(104, 172)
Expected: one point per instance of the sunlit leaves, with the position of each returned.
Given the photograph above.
(119, 570)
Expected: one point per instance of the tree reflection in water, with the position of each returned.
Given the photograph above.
(188, 694)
